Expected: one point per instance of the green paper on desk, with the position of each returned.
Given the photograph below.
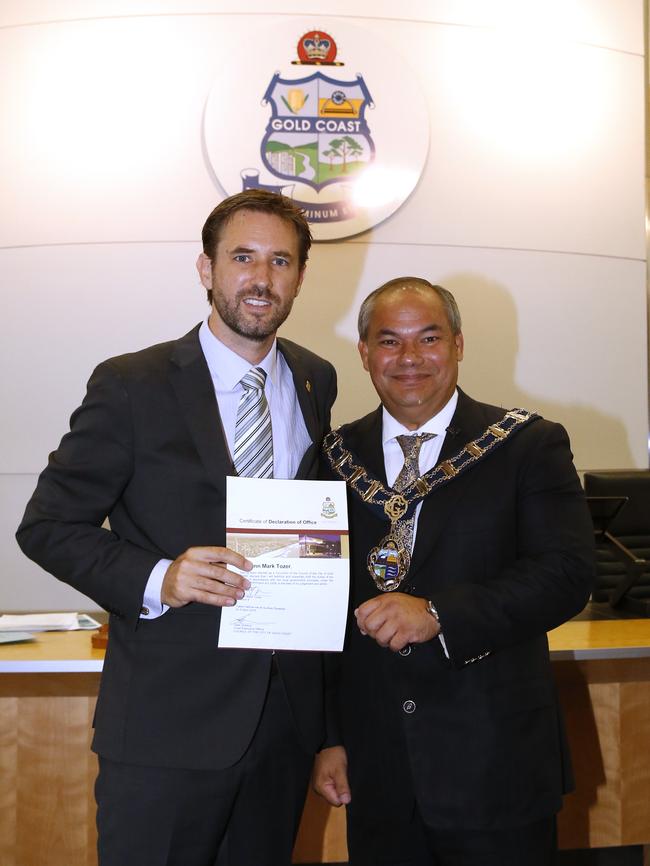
(15, 636)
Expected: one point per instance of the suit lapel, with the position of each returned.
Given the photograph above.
(192, 383)
(365, 441)
(467, 423)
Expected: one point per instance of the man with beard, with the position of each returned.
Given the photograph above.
(470, 539)
(203, 752)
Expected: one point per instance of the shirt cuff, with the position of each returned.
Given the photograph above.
(152, 606)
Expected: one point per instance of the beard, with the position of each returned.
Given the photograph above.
(233, 314)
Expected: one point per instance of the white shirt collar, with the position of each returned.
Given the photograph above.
(438, 424)
(227, 367)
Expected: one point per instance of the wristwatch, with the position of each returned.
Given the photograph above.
(432, 610)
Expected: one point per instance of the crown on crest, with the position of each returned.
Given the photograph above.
(317, 48)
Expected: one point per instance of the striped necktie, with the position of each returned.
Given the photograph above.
(253, 455)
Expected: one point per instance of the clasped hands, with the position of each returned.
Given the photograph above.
(395, 620)
(202, 574)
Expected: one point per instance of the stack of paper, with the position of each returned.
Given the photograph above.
(29, 622)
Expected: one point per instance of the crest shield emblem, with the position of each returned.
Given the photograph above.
(317, 133)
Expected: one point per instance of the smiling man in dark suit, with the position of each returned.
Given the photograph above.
(203, 752)
(470, 539)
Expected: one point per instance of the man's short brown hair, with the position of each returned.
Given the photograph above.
(265, 202)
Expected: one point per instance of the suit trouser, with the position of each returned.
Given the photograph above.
(244, 815)
(386, 828)
(419, 845)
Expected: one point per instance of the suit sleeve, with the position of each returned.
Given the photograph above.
(551, 572)
(331, 393)
(62, 529)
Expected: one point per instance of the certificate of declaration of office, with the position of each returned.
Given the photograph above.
(296, 535)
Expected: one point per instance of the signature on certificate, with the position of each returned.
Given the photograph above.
(245, 619)
(257, 592)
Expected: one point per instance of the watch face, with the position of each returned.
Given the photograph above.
(431, 609)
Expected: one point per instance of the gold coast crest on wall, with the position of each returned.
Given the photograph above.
(318, 133)
(315, 133)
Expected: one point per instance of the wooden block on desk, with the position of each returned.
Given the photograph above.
(99, 639)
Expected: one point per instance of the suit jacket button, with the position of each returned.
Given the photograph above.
(405, 651)
(408, 707)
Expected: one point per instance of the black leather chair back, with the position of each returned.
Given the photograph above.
(630, 527)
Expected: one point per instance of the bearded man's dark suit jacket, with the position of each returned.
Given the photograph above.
(146, 449)
(505, 553)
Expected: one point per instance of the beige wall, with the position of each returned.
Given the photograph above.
(530, 208)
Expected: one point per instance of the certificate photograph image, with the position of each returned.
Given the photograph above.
(289, 545)
(295, 534)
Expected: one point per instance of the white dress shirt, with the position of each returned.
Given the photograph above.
(290, 437)
(428, 457)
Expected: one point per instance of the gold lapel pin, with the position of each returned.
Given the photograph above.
(308, 385)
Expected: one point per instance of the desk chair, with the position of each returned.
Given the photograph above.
(620, 506)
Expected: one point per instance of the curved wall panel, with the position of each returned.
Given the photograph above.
(530, 208)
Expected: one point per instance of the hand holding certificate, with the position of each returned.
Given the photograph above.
(296, 535)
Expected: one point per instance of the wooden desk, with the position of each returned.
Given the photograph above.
(47, 696)
(48, 690)
(602, 670)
